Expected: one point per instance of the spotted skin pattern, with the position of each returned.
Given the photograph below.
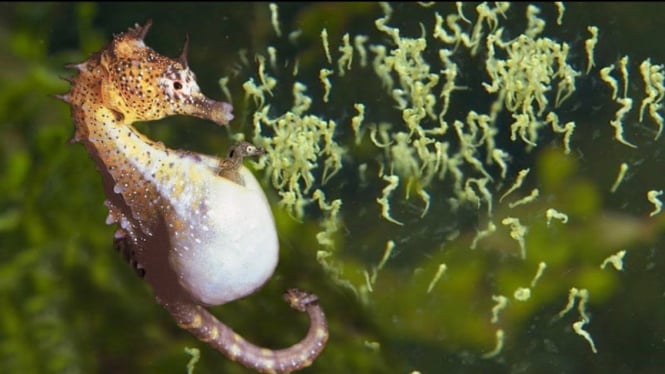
(197, 228)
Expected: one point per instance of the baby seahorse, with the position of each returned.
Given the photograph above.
(229, 167)
(197, 228)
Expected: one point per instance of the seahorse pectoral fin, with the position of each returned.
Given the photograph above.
(209, 329)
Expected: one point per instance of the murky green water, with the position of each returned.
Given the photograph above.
(69, 303)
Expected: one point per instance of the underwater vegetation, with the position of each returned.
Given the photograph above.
(467, 188)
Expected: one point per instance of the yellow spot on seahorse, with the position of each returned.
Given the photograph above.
(214, 334)
(234, 351)
(269, 365)
(195, 324)
(304, 360)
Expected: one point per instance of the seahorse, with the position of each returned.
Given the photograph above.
(229, 167)
(197, 228)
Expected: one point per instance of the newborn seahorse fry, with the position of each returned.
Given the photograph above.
(197, 228)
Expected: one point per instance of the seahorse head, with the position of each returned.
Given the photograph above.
(143, 85)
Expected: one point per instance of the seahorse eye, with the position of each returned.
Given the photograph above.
(177, 85)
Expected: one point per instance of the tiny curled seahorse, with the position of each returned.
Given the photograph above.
(197, 228)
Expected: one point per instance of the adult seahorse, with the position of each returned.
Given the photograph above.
(197, 228)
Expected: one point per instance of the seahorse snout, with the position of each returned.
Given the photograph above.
(219, 112)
